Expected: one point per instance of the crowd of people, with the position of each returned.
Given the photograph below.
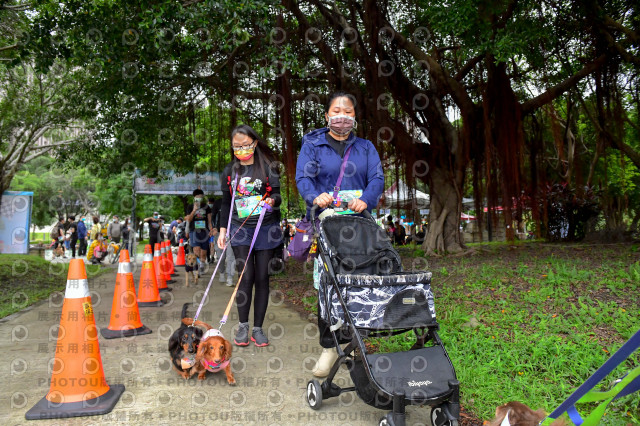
(89, 236)
(402, 233)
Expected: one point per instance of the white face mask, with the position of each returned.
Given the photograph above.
(198, 200)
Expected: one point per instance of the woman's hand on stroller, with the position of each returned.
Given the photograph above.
(323, 200)
(357, 205)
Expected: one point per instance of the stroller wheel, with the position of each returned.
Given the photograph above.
(439, 418)
(314, 394)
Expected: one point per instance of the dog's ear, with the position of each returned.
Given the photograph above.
(202, 349)
(187, 321)
(227, 349)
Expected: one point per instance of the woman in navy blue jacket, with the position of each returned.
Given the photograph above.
(317, 172)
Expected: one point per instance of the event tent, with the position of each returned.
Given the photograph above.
(400, 196)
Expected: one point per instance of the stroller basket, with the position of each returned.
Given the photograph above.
(420, 375)
(383, 302)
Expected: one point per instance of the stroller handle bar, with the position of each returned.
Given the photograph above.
(315, 207)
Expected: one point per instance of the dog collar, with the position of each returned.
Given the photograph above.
(213, 367)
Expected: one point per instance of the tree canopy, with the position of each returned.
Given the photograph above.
(500, 100)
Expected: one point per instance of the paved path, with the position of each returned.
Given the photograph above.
(271, 380)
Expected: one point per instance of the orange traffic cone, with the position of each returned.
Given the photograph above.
(148, 288)
(181, 257)
(157, 264)
(165, 266)
(125, 316)
(172, 267)
(78, 386)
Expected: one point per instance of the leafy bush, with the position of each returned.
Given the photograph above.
(567, 211)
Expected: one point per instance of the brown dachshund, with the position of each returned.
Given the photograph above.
(214, 354)
(520, 415)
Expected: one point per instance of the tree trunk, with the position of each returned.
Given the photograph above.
(5, 181)
(443, 233)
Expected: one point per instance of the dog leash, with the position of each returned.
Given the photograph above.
(228, 243)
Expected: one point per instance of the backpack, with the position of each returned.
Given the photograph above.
(55, 232)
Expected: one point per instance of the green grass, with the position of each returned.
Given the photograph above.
(27, 279)
(548, 317)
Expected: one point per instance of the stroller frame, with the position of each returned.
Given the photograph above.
(445, 406)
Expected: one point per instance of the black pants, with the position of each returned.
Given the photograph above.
(82, 249)
(255, 275)
(72, 244)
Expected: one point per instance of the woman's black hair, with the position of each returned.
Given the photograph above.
(339, 94)
(263, 154)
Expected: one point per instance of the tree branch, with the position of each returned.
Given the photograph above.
(468, 67)
(560, 88)
(13, 46)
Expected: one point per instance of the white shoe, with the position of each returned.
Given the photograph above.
(325, 362)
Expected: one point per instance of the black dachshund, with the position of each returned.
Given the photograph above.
(183, 344)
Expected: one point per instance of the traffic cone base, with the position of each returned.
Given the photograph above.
(102, 404)
(165, 289)
(150, 304)
(112, 334)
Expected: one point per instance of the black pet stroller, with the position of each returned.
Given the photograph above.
(363, 292)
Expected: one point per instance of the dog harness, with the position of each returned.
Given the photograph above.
(211, 366)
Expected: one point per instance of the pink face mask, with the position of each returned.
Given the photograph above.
(341, 124)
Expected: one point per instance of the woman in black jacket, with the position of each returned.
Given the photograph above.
(253, 175)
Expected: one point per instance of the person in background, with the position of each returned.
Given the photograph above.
(173, 231)
(96, 228)
(82, 237)
(73, 235)
(57, 234)
(200, 227)
(162, 235)
(114, 230)
(126, 233)
(154, 228)
(399, 234)
(214, 209)
(97, 250)
(226, 269)
(67, 234)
